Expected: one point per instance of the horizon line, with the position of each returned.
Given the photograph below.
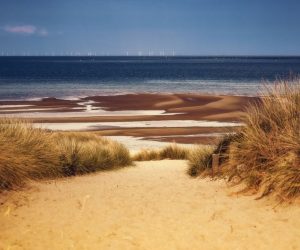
(122, 55)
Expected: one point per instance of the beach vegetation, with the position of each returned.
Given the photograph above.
(28, 153)
(25, 153)
(172, 151)
(265, 154)
(82, 153)
(199, 161)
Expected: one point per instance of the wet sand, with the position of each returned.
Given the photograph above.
(191, 135)
(190, 106)
(154, 205)
(138, 108)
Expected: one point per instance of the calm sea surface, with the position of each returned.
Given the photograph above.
(70, 77)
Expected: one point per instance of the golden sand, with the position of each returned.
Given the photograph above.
(154, 205)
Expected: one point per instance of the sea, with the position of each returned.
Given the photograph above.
(71, 77)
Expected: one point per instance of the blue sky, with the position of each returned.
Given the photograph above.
(189, 27)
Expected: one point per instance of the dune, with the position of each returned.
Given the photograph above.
(154, 205)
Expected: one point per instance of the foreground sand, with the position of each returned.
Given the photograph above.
(154, 205)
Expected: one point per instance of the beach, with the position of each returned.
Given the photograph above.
(148, 153)
(153, 205)
(181, 118)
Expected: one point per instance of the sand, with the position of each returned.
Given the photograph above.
(142, 115)
(135, 144)
(89, 126)
(190, 135)
(145, 106)
(153, 205)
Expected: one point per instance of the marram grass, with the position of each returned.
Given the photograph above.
(172, 151)
(265, 153)
(28, 153)
(25, 153)
(199, 161)
(82, 153)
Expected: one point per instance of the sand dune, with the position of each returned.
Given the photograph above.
(153, 205)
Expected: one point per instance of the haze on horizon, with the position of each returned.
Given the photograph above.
(143, 27)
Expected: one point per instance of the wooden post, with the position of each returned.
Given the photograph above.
(215, 163)
(230, 154)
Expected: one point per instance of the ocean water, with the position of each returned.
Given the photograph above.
(72, 77)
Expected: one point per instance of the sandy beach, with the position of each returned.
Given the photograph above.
(183, 106)
(149, 125)
(181, 118)
(153, 205)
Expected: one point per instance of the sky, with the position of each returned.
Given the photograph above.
(120, 27)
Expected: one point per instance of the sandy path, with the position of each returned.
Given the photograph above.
(154, 205)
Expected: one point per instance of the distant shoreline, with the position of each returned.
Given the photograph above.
(121, 93)
(71, 77)
(159, 56)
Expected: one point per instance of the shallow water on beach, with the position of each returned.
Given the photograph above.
(80, 126)
(73, 77)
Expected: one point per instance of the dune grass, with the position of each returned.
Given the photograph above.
(172, 151)
(28, 153)
(199, 161)
(82, 153)
(265, 153)
(25, 153)
(147, 155)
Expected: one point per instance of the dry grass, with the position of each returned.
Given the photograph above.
(82, 153)
(199, 160)
(27, 153)
(172, 151)
(147, 155)
(265, 155)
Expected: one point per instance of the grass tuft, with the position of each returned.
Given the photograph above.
(28, 153)
(25, 153)
(265, 154)
(172, 151)
(175, 152)
(147, 155)
(199, 160)
(82, 153)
